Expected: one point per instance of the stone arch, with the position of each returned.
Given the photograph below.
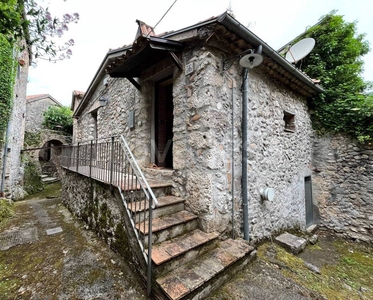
(47, 153)
(49, 156)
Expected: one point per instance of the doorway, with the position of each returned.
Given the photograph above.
(163, 123)
(309, 201)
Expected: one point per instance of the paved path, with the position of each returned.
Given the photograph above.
(46, 254)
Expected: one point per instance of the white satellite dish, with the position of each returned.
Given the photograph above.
(300, 50)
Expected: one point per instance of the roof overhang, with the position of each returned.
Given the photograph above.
(149, 52)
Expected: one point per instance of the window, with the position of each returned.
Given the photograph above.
(289, 119)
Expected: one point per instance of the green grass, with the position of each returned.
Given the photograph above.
(346, 279)
(50, 190)
(6, 209)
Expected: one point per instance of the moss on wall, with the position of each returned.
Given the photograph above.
(7, 77)
(32, 181)
(32, 139)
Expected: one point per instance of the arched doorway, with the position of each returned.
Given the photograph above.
(50, 158)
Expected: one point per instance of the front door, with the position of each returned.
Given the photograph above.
(163, 120)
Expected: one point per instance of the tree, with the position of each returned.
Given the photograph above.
(58, 118)
(337, 61)
(26, 19)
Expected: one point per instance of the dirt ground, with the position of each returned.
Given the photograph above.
(47, 254)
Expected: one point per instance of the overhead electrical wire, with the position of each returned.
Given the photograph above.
(163, 15)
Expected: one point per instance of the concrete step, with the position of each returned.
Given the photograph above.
(169, 226)
(173, 253)
(166, 205)
(204, 274)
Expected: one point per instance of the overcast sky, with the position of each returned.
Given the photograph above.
(110, 24)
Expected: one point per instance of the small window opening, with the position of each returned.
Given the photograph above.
(289, 119)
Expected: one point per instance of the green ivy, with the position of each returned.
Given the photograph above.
(337, 61)
(7, 77)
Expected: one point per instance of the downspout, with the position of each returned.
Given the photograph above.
(245, 87)
(232, 157)
(4, 162)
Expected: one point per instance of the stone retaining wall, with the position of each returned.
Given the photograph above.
(343, 186)
(96, 205)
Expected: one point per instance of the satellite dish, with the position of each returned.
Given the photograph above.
(300, 50)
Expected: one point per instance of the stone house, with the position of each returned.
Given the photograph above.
(36, 105)
(234, 143)
(42, 147)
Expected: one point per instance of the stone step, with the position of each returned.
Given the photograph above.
(173, 253)
(160, 174)
(47, 180)
(169, 226)
(166, 205)
(159, 188)
(204, 274)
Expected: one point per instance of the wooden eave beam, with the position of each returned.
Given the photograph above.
(134, 82)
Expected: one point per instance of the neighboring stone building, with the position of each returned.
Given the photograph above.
(77, 96)
(36, 105)
(47, 143)
(12, 178)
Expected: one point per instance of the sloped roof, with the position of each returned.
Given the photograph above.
(237, 37)
(33, 98)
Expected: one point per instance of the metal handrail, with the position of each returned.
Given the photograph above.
(152, 200)
(139, 173)
(113, 162)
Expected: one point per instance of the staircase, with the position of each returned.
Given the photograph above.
(49, 172)
(187, 263)
(177, 259)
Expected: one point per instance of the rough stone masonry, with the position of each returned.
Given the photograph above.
(343, 186)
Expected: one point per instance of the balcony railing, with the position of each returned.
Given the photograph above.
(111, 161)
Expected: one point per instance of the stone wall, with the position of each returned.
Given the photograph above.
(14, 171)
(207, 141)
(96, 205)
(112, 119)
(343, 186)
(34, 112)
(207, 113)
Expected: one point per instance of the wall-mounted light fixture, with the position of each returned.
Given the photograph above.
(248, 59)
(103, 101)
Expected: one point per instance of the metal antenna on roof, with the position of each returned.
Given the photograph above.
(163, 16)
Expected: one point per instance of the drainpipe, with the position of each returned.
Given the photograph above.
(232, 158)
(245, 87)
(4, 162)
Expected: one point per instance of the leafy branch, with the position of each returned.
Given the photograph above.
(337, 61)
(26, 19)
